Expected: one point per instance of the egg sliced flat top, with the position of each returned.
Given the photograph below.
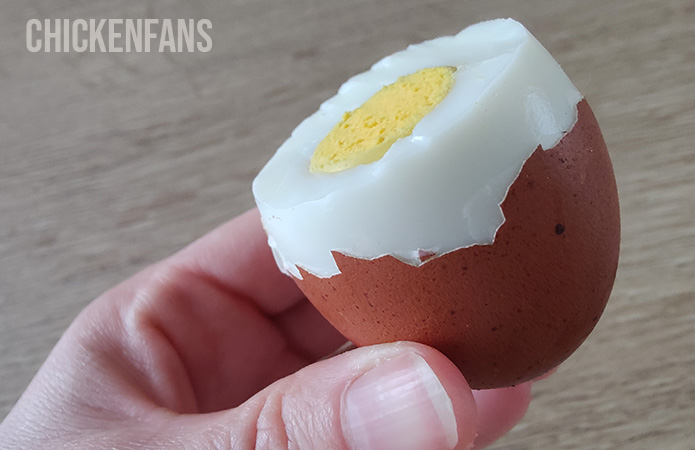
(435, 136)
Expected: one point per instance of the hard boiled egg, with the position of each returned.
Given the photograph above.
(458, 194)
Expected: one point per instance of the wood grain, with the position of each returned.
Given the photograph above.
(110, 162)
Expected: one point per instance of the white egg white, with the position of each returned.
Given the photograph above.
(440, 188)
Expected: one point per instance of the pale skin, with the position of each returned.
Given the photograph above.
(214, 348)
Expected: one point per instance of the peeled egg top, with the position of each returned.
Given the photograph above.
(415, 155)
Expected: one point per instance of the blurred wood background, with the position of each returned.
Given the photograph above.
(110, 162)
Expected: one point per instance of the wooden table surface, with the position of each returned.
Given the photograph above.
(110, 162)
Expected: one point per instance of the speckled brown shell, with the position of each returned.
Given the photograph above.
(507, 312)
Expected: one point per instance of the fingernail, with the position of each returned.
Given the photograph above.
(399, 404)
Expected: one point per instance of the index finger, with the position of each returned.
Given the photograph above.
(236, 257)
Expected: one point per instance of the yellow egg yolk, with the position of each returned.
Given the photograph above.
(365, 134)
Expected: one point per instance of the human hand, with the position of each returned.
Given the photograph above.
(215, 348)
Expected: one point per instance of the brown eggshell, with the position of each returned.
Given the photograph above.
(507, 312)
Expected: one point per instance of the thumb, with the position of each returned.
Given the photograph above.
(392, 396)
